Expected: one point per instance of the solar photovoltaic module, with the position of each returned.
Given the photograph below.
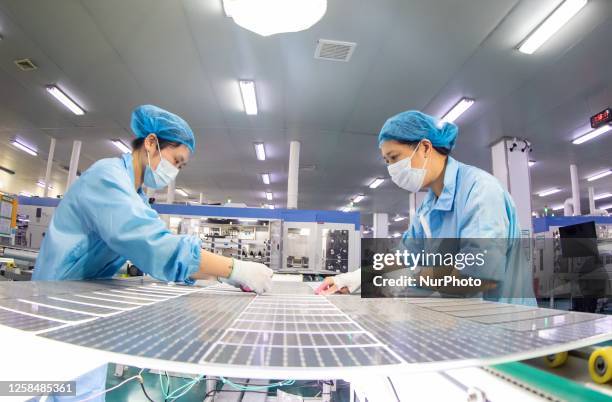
(290, 331)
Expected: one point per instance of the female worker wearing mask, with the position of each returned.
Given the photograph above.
(105, 219)
(462, 202)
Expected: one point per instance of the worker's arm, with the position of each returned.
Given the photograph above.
(213, 265)
(483, 227)
(132, 229)
(112, 209)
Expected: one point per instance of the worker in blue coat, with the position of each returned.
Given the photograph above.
(462, 202)
(105, 219)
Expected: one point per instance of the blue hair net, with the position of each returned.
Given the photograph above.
(147, 119)
(413, 125)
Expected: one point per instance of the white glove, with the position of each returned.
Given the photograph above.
(251, 275)
(350, 280)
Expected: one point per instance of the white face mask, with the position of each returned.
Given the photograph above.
(163, 175)
(407, 177)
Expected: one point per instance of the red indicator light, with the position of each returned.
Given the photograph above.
(601, 118)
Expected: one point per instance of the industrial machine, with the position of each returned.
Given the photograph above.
(292, 241)
(573, 262)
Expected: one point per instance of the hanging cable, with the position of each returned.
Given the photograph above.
(256, 387)
(136, 377)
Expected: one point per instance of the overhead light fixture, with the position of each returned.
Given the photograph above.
(121, 146)
(17, 144)
(531, 163)
(269, 17)
(399, 218)
(600, 175)
(557, 207)
(602, 196)
(182, 192)
(376, 182)
(397, 234)
(346, 209)
(7, 170)
(592, 134)
(269, 195)
(457, 110)
(249, 98)
(559, 17)
(260, 150)
(265, 177)
(549, 192)
(41, 184)
(65, 99)
(605, 206)
(358, 198)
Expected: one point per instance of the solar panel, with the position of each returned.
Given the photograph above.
(289, 332)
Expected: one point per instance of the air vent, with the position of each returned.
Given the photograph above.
(334, 50)
(25, 65)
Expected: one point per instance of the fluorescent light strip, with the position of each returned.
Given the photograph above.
(269, 195)
(58, 94)
(399, 218)
(41, 184)
(557, 207)
(602, 196)
(265, 177)
(549, 192)
(605, 206)
(551, 25)
(345, 209)
(269, 206)
(599, 175)
(249, 99)
(7, 170)
(376, 182)
(531, 163)
(24, 148)
(121, 146)
(358, 198)
(397, 234)
(260, 150)
(457, 110)
(182, 192)
(592, 134)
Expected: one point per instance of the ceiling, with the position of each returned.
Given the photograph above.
(186, 56)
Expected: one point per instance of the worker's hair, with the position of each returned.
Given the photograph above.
(138, 142)
(441, 150)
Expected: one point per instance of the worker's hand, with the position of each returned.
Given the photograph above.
(250, 275)
(342, 283)
(329, 287)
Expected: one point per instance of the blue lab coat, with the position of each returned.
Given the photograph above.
(474, 205)
(101, 222)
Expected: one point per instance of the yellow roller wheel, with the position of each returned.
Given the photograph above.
(556, 360)
(600, 365)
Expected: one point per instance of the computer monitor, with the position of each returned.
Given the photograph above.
(579, 240)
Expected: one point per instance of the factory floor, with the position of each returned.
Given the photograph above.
(132, 391)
